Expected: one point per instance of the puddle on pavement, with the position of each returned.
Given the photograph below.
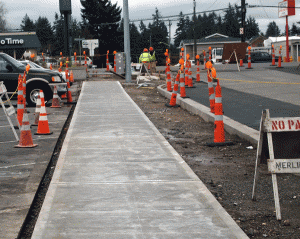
(204, 159)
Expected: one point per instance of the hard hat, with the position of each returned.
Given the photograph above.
(208, 65)
(145, 49)
(151, 48)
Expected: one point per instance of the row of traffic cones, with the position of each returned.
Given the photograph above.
(216, 107)
(41, 121)
(215, 98)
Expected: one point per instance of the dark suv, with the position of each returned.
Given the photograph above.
(36, 80)
(260, 56)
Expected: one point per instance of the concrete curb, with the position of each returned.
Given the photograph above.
(231, 126)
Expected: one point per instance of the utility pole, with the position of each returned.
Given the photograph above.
(127, 42)
(169, 38)
(242, 30)
(194, 29)
(169, 33)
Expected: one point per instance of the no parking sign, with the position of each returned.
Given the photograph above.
(279, 147)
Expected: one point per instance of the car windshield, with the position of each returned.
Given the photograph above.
(14, 61)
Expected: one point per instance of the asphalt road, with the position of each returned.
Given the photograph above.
(247, 92)
(21, 169)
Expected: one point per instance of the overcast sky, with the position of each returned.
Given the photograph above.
(138, 9)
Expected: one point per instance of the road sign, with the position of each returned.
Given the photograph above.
(279, 143)
(241, 31)
(91, 44)
(286, 8)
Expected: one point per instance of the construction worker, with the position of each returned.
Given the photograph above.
(145, 58)
(152, 60)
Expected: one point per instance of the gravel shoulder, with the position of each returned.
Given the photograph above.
(227, 171)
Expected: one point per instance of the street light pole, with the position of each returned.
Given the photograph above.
(127, 42)
(243, 5)
(194, 28)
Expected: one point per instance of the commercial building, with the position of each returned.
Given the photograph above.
(216, 40)
(16, 43)
(294, 46)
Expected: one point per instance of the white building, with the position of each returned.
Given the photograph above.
(294, 46)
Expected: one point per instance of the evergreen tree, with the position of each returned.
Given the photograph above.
(272, 30)
(3, 12)
(58, 30)
(102, 20)
(231, 21)
(44, 32)
(251, 28)
(181, 30)
(27, 24)
(159, 35)
(294, 30)
(135, 43)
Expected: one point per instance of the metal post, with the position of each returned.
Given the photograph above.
(127, 42)
(66, 18)
(194, 26)
(287, 40)
(243, 20)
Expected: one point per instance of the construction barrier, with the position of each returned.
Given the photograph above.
(190, 79)
(174, 93)
(209, 53)
(280, 58)
(273, 56)
(55, 99)
(115, 62)
(25, 136)
(219, 132)
(182, 84)
(249, 58)
(107, 62)
(198, 69)
(241, 63)
(211, 91)
(20, 103)
(43, 125)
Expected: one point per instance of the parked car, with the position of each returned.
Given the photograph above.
(34, 65)
(260, 57)
(37, 79)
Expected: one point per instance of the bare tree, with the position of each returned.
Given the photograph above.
(3, 12)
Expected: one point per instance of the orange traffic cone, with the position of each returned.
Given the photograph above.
(51, 67)
(169, 82)
(25, 136)
(43, 125)
(20, 104)
(219, 133)
(55, 99)
(182, 84)
(174, 94)
(69, 94)
(190, 79)
(198, 70)
(71, 78)
(24, 88)
(37, 111)
(211, 92)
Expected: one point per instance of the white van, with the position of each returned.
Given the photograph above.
(80, 60)
(216, 55)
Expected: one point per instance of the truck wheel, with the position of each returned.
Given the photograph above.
(33, 90)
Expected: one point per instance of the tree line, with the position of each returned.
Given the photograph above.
(100, 19)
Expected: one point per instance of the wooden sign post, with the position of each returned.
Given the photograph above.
(279, 143)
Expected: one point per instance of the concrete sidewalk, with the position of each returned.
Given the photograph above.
(117, 177)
